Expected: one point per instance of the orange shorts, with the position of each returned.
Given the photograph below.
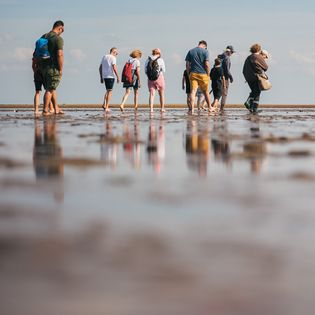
(200, 80)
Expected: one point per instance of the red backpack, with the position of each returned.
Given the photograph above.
(126, 76)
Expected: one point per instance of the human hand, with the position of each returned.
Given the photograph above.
(231, 79)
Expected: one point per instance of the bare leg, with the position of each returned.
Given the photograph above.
(187, 101)
(125, 97)
(136, 97)
(207, 98)
(47, 100)
(107, 99)
(192, 100)
(55, 103)
(151, 99)
(36, 102)
(162, 100)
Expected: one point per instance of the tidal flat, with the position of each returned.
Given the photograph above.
(157, 214)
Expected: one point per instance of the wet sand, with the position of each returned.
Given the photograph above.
(172, 214)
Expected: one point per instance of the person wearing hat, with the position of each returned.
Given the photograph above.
(226, 66)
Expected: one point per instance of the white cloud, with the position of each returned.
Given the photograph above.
(22, 54)
(307, 61)
(77, 54)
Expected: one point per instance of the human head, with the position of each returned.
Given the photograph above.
(203, 44)
(156, 51)
(229, 49)
(217, 61)
(265, 54)
(136, 53)
(256, 48)
(58, 27)
(113, 51)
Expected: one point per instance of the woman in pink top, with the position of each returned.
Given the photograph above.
(155, 69)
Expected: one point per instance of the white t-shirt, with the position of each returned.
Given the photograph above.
(160, 62)
(107, 66)
(135, 63)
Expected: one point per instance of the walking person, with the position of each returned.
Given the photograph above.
(108, 71)
(217, 82)
(134, 66)
(226, 66)
(38, 82)
(254, 65)
(198, 67)
(155, 70)
(52, 66)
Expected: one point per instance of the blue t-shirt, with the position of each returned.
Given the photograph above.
(197, 57)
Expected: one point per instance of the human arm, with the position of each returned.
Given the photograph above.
(187, 66)
(100, 69)
(207, 67)
(183, 82)
(138, 75)
(60, 60)
(116, 73)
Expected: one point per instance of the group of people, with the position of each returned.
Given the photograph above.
(48, 68)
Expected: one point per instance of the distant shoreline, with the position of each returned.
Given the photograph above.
(97, 106)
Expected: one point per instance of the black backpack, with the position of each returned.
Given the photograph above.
(153, 69)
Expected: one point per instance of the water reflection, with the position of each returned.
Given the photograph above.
(156, 145)
(220, 141)
(47, 152)
(48, 156)
(109, 146)
(197, 146)
(255, 149)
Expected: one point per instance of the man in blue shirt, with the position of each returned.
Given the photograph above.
(198, 67)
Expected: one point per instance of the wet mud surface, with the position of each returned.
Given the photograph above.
(172, 214)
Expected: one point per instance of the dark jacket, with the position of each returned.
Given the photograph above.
(226, 66)
(254, 64)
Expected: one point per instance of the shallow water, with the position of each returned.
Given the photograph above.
(175, 213)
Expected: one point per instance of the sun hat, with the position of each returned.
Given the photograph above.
(230, 48)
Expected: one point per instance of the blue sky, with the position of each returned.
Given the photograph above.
(92, 27)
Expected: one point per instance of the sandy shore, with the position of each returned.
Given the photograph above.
(164, 214)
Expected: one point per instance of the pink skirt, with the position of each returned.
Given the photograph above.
(158, 84)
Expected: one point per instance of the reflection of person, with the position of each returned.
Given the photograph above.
(198, 67)
(254, 65)
(108, 146)
(226, 66)
(156, 146)
(135, 61)
(108, 71)
(255, 150)
(159, 83)
(47, 153)
(197, 148)
(51, 68)
(132, 143)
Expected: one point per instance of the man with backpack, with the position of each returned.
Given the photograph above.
(155, 69)
(226, 66)
(49, 52)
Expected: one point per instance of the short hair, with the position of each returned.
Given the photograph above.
(58, 23)
(156, 51)
(255, 48)
(136, 53)
(112, 49)
(217, 61)
(203, 42)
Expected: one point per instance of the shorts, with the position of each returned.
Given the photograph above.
(38, 81)
(134, 85)
(217, 90)
(200, 80)
(51, 77)
(158, 84)
(109, 83)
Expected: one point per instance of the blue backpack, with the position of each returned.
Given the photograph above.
(41, 48)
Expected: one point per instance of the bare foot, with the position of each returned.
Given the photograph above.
(121, 108)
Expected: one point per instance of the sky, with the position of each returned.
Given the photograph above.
(285, 28)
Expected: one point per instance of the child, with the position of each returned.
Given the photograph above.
(186, 82)
(217, 82)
